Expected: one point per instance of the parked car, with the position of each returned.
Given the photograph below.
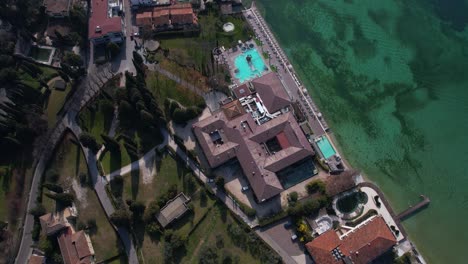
(245, 188)
(293, 237)
(287, 224)
(210, 180)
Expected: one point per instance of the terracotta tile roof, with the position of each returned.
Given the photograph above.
(360, 246)
(242, 91)
(57, 6)
(340, 183)
(35, 259)
(181, 13)
(239, 136)
(272, 92)
(233, 109)
(51, 224)
(144, 19)
(99, 18)
(75, 247)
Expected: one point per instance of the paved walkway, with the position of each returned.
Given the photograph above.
(141, 163)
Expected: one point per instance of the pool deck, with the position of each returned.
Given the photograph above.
(297, 92)
(228, 57)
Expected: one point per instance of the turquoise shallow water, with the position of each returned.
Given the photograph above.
(248, 71)
(391, 78)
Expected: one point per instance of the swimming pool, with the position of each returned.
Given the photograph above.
(245, 70)
(325, 147)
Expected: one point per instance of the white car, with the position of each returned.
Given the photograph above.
(245, 188)
(293, 237)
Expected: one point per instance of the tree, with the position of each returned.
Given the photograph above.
(208, 256)
(73, 59)
(66, 199)
(316, 186)
(153, 229)
(113, 49)
(137, 208)
(52, 176)
(219, 181)
(107, 108)
(38, 210)
(151, 212)
(90, 142)
(53, 187)
(120, 218)
(111, 144)
(293, 197)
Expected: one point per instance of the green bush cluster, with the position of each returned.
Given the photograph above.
(316, 186)
(180, 114)
(65, 199)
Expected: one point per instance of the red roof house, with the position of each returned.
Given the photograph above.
(362, 245)
(76, 247)
(103, 28)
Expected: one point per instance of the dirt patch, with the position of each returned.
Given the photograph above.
(80, 193)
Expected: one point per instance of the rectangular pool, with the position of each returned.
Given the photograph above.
(248, 70)
(325, 147)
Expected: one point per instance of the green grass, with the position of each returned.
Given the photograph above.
(105, 240)
(54, 103)
(163, 87)
(94, 121)
(47, 75)
(215, 224)
(113, 161)
(195, 52)
(69, 162)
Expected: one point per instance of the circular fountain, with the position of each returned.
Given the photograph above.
(228, 27)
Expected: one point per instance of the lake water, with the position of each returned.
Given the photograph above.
(391, 78)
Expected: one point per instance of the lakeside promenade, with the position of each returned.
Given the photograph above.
(299, 93)
(285, 71)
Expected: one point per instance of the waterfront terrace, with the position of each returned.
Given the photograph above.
(260, 131)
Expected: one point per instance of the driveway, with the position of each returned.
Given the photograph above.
(277, 235)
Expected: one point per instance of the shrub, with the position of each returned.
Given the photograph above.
(88, 141)
(38, 210)
(293, 196)
(66, 199)
(316, 186)
(361, 219)
(111, 144)
(137, 208)
(151, 212)
(153, 229)
(120, 218)
(52, 176)
(53, 187)
(219, 241)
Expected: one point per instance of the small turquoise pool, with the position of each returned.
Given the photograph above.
(245, 70)
(325, 147)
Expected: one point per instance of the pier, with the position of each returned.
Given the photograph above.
(414, 208)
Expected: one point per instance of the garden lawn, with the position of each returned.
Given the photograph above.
(47, 75)
(113, 161)
(204, 236)
(162, 87)
(169, 171)
(94, 121)
(105, 240)
(54, 103)
(196, 52)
